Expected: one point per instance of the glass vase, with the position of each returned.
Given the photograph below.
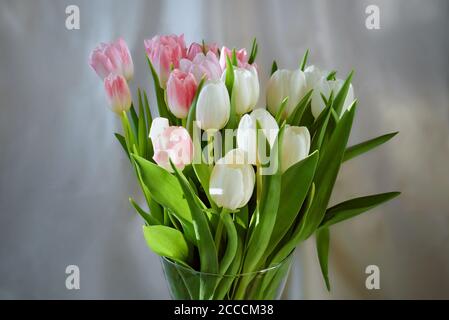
(187, 284)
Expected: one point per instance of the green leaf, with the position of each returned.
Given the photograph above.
(326, 173)
(331, 75)
(229, 81)
(298, 178)
(232, 242)
(282, 252)
(204, 239)
(161, 105)
(320, 132)
(307, 118)
(122, 141)
(267, 209)
(145, 215)
(191, 116)
(366, 146)
(165, 189)
(296, 115)
(141, 128)
(274, 67)
(235, 62)
(322, 247)
(339, 100)
(129, 134)
(253, 53)
(303, 63)
(280, 114)
(149, 121)
(169, 242)
(354, 207)
(134, 118)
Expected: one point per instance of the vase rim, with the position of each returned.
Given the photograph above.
(180, 266)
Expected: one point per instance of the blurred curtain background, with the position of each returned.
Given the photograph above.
(65, 182)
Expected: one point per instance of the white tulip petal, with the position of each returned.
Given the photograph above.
(158, 126)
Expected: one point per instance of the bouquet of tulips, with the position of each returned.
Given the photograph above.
(232, 189)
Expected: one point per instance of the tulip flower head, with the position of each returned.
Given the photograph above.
(112, 57)
(181, 89)
(213, 106)
(202, 65)
(196, 48)
(295, 146)
(248, 135)
(241, 55)
(325, 87)
(232, 180)
(165, 52)
(245, 90)
(170, 143)
(118, 93)
(285, 83)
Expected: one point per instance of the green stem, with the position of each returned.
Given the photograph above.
(219, 232)
(258, 182)
(210, 148)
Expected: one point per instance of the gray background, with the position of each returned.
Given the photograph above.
(64, 181)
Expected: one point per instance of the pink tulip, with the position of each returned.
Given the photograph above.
(170, 143)
(242, 57)
(196, 48)
(112, 57)
(201, 65)
(165, 52)
(118, 93)
(181, 89)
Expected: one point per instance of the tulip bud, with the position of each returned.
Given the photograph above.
(112, 57)
(285, 83)
(118, 93)
(213, 107)
(232, 180)
(241, 55)
(202, 65)
(165, 52)
(245, 90)
(181, 89)
(295, 146)
(313, 75)
(247, 134)
(325, 87)
(170, 143)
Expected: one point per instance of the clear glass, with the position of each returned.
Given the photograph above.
(188, 284)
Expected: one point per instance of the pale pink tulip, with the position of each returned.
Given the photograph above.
(241, 55)
(181, 89)
(164, 53)
(202, 65)
(170, 143)
(196, 48)
(112, 57)
(118, 93)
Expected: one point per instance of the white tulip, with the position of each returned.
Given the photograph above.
(295, 146)
(213, 106)
(245, 90)
(247, 133)
(285, 83)
(313, 75)
(325, 87)
(232, 180)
